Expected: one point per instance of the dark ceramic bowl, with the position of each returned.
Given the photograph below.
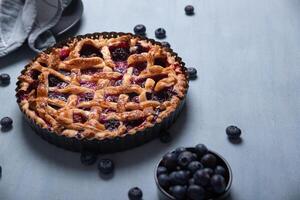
(164, 195)
(107, 145)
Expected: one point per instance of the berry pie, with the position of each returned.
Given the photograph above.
(102, 86)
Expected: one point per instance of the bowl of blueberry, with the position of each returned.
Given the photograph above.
(193, 173)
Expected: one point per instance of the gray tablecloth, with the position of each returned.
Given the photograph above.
(28, 19)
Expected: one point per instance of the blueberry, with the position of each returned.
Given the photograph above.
(179, 150)
(192, 72)
(194, 166)
(178, 178)
(201, 150)
(4, 79)
(120, 54)
(218, 183)
(135, 194)
(209, 160)
(161, 170)
(140, 29)
(195, 192)
(164, 180)
(160, 33)
(233, 132)
(6, 122)
(189, 10)
(166, 44)
(170, 161)
(106, 166)
(220, 170)
(191, 181)
(165, 137)
(185, 158)
(201, 177)
(209, 171)
(178, 192)
(88, 158)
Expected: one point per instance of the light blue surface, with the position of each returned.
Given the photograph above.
(248, 58)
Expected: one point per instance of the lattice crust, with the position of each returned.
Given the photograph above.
(102, 88)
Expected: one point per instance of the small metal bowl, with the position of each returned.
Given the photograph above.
(164, 195)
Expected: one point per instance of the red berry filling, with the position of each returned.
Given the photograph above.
(88, 50)
(121, 67)
(64, 53)
(111, 124)
(140, 81)
(138, 67)
(79, 118)
(91, 71)
(85, 97)
(160, 61)
(161, 96)
(34, 74)
(91, 85)
(111, 97)
(56, 95)
(56, 82)
(133, 97)
(120, 52)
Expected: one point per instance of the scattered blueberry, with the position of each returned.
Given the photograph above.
(4, 79)
(160, 33)
(185, 158)
(135, 194)
(220, 170)
(192, 72)
(170, 161)
(164, 180)
(194, 166)
(178, 191)
(106, 166)
(6, 123)
(195, 192)
(189, 10)
(201, 150)
(88, 158)
(140, 29)
(166, 44)
(209, 160)
(233, 132)
(161, 170)
(165, 137)
(178, 178)
(218, 183)
(201, 177)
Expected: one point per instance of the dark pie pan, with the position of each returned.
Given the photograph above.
(165, 195)
(107, 145)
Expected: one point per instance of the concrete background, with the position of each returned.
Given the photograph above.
(247, 53)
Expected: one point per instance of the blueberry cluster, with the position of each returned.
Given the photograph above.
(192, 173)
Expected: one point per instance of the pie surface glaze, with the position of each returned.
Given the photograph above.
(97, 87)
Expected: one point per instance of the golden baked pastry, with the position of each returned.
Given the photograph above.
(95, 87)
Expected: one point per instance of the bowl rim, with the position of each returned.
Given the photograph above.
(223, 194)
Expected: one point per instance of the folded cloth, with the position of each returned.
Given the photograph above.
(32, 19)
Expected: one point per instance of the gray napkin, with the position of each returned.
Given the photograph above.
(32, 19)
